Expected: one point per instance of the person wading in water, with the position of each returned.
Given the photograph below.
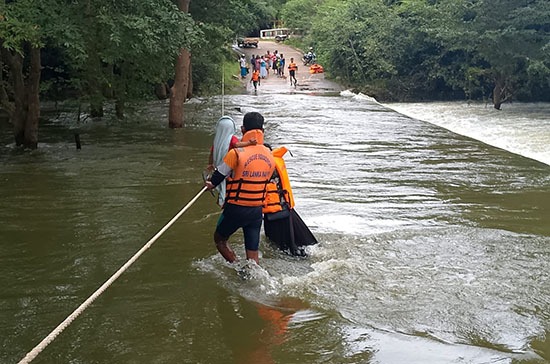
(292, 68)
(248, 171)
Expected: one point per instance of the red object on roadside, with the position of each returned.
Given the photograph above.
(316, 68)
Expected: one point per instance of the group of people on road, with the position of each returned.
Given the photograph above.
(270, 62)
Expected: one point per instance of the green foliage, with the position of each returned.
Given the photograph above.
(124, 46)
(101, 48)
(232, 84)
(220, 23)
(399, 49)
(20, 23)
(300, 14)
(430, 48)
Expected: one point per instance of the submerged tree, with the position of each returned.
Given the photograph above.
(511, 36)
(105, 50)
(182, 79)
(123, 48)
(20, 43)
(502, 40)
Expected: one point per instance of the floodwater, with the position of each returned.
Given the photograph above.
(434, 246)
(522, 128)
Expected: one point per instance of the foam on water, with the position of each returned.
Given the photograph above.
(521, 128)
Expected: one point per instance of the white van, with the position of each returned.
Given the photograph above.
(279, 34)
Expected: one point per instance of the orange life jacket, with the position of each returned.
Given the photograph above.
(316, 68)
(279, 193)
(247, 184)
(292, 67)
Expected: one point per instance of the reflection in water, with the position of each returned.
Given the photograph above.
(267, 327)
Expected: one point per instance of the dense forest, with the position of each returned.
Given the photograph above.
(93, 52)
(432, 49)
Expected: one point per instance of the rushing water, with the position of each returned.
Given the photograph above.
(522, 128)
(434, 247)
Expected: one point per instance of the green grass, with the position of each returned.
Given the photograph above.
(232, 85)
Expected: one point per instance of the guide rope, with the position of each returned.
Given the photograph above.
(48, 339)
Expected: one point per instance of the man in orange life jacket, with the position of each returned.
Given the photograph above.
(248, 171)
(255, 79)
(292, 68)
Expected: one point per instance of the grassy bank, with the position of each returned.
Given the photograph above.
(232, 78)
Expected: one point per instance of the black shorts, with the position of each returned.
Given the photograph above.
(248, 218)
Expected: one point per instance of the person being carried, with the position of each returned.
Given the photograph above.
(224, 140)
(248, 171)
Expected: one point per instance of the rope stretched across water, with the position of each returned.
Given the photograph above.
(48, 339)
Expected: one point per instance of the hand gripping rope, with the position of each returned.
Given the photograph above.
(48, 339)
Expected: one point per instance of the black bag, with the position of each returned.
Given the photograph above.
(283, 214)
(288, 232)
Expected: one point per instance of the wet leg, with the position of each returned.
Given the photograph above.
(253, 255)
(224, 248)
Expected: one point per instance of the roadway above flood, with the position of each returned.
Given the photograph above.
(307, 82)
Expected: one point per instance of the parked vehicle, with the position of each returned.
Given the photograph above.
(278, 34)
(247, 42)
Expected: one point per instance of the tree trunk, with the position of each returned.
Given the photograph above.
(96, 107)
(162, 91)
(190, 83)
(25, 77)
(119, 109)
(95, 88)
(33, 99)
(118, 89)
(181, 81)
(497, 99)
(20, 112)
(498, 92)
(4, 98)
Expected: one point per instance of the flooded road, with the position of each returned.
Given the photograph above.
(434, 247)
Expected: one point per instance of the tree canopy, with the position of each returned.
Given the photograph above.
(93, 51)
(431, 49)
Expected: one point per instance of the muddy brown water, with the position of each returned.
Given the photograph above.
(434, 247)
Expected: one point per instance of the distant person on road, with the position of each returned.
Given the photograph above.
(253, 63)
(244, 68)
(275, 65)
(282, 62)
(257, 62)
(292, 68)
(263, 68)
(255, 79)
(274, 61)
(310, 57)
(248, 171)
(268, 59)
